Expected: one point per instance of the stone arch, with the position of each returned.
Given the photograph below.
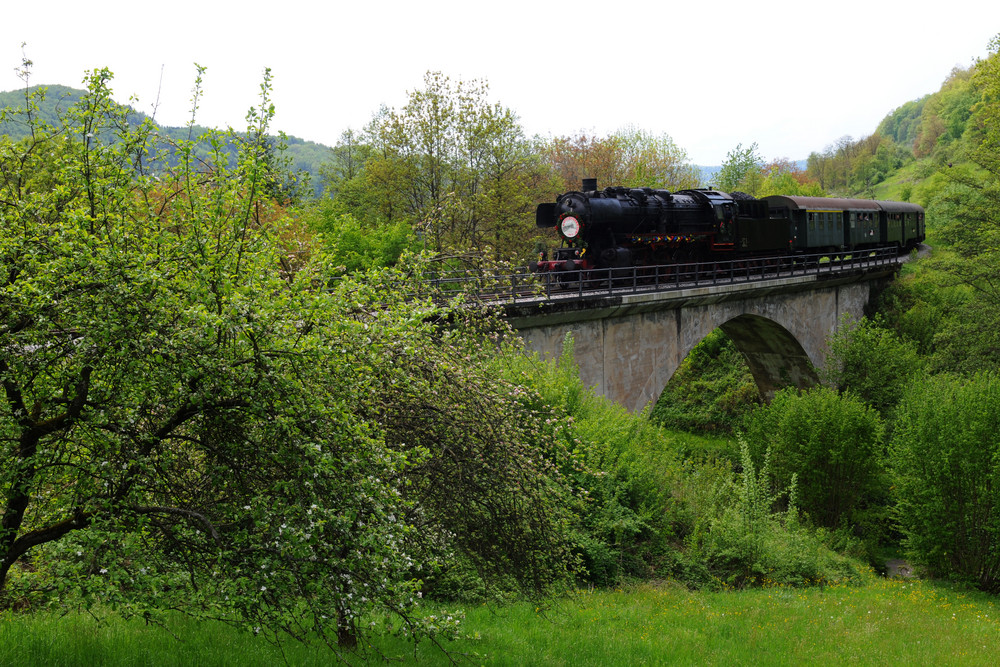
(628, 350)
(775, 356)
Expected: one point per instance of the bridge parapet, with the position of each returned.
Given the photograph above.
(524, 286)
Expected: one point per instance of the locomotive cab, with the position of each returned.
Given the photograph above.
(725, 218)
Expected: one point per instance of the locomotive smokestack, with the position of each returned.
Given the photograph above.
(589, 185)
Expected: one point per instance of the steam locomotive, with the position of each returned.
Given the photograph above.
(621, 227)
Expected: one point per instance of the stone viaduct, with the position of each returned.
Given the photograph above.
(628, 346)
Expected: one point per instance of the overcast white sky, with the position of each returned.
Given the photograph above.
(794, 75)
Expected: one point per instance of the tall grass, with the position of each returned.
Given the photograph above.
(891, 622)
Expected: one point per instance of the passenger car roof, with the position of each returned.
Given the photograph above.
(827, 203)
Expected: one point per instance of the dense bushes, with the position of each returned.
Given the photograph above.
(649, 509)
(623, 466)
(710, 392)
(872, 362)
(832, 442)
(356, 245)
(751, 541)
(946, 471)
(939, 493)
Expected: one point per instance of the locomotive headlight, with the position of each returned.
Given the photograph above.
(570, 227)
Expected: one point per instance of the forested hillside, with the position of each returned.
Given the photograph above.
(301, 158)
(936, 152)
(927, 360)
(909, 147)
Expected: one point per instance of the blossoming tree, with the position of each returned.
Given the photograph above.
(195, 417)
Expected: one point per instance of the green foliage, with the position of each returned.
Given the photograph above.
(195, 416)
(902, 124)
(832, 442)
(959, 307)
(970, 203)
(296, 162)
(742, 170)
(45, 110)
(872, 363)
(647, 511)
(784, 178)
(942, 317)
(454, 166)
(944, 116)
(857, 167)
(969, 339)
(910, 307)
(354, 245)
(623, 465)
(751, 542)
(952, 133)
(344, 164)
(946, 473)
(710, 392)
(952, 325)
(651, 161)
(737, 537)
(630, 157)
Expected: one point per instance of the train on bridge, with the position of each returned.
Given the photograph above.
(618, 228)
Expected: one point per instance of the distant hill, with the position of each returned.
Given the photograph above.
(304, 156)
(58, 99)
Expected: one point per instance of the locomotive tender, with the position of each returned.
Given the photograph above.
(621, 227)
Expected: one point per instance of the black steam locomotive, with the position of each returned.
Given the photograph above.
(627, 227)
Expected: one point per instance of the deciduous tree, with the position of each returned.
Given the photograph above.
(455, 166)
(630, 157)
(741, 170)
(971, 206)
(194, 416)
(832, 442)
(946, 476)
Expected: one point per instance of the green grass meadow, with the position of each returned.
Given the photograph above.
(885, 622)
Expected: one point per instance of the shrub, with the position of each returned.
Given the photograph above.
(750, 541)
(833, 442)
(354, 245)
(711, 391)
(945, 461)
(647, 510)
(623, 467)
(873, 363)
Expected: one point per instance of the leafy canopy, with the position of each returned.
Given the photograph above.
(194, 416)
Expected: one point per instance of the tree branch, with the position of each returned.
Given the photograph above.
(191, 514)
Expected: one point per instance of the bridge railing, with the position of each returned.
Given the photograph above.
(525, 285)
